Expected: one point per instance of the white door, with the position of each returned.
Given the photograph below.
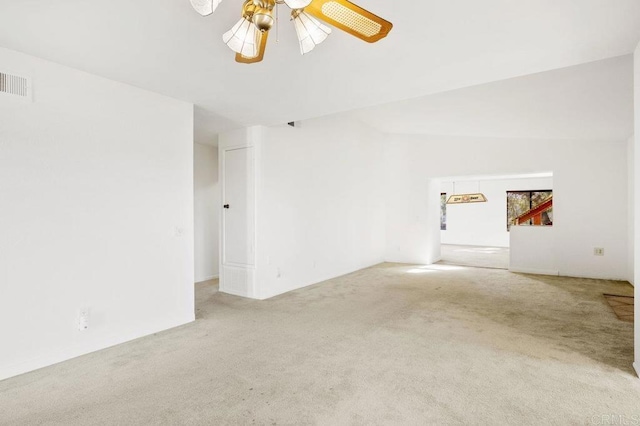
(239, 205)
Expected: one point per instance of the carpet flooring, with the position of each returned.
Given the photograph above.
(478, 256)
(391, 344)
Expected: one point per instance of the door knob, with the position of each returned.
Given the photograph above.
(226, 206)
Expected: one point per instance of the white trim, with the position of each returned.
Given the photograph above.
(237, 293)
(636, 366)
(209, 278)
(534, 271)
(321, 280)
(110, 340)
(239, 265)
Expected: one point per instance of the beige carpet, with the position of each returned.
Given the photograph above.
(479, 256)
(393, 344)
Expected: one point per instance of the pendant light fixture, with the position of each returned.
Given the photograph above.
(478, 197)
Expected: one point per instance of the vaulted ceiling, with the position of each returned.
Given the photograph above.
(435, 46)
(592, 101)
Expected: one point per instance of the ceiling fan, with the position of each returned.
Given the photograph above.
(248, 37)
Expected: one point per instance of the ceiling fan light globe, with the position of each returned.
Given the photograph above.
(310, 31)
(205, 7)
(298, 4)
(243, 38)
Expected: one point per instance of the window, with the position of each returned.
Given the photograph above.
(443, 211)
(521, 202)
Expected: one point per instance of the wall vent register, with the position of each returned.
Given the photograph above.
(15, 85)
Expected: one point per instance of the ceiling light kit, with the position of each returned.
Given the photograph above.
(248, 37)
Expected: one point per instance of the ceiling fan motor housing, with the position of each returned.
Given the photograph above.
(263, 14)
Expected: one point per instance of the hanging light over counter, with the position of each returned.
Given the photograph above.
(467, 198)
(477, 197)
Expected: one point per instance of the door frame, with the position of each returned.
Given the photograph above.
(223, 201)
(237, 278)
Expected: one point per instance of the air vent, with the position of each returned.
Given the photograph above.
(15, 85)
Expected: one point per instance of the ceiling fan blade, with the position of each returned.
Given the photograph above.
(350, 18)
(261, 48)
(205, 7)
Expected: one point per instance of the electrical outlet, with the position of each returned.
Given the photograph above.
(598, 251)
(83, 319)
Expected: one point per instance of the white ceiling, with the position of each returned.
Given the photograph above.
(589, 101)
(476, 178)
(164, 46)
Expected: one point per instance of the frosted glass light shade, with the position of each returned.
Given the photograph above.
(311, 32)
(243, 38)
(205, 7)
(298, 4)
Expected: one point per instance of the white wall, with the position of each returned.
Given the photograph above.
(636, 235)
(631, 209)
(484, 224)
(533, 250)
(206, 212)
(590, 180)
(321, 209)
(96, 212)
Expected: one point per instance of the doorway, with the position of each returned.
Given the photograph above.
(238, 208)
(237, 271)
(476, 256)
(477, 234)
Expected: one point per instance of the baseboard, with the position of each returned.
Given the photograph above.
(236, 293)
(39, 362)
(594, 277)
(316, 281)
(534, 271)
(209, 278)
